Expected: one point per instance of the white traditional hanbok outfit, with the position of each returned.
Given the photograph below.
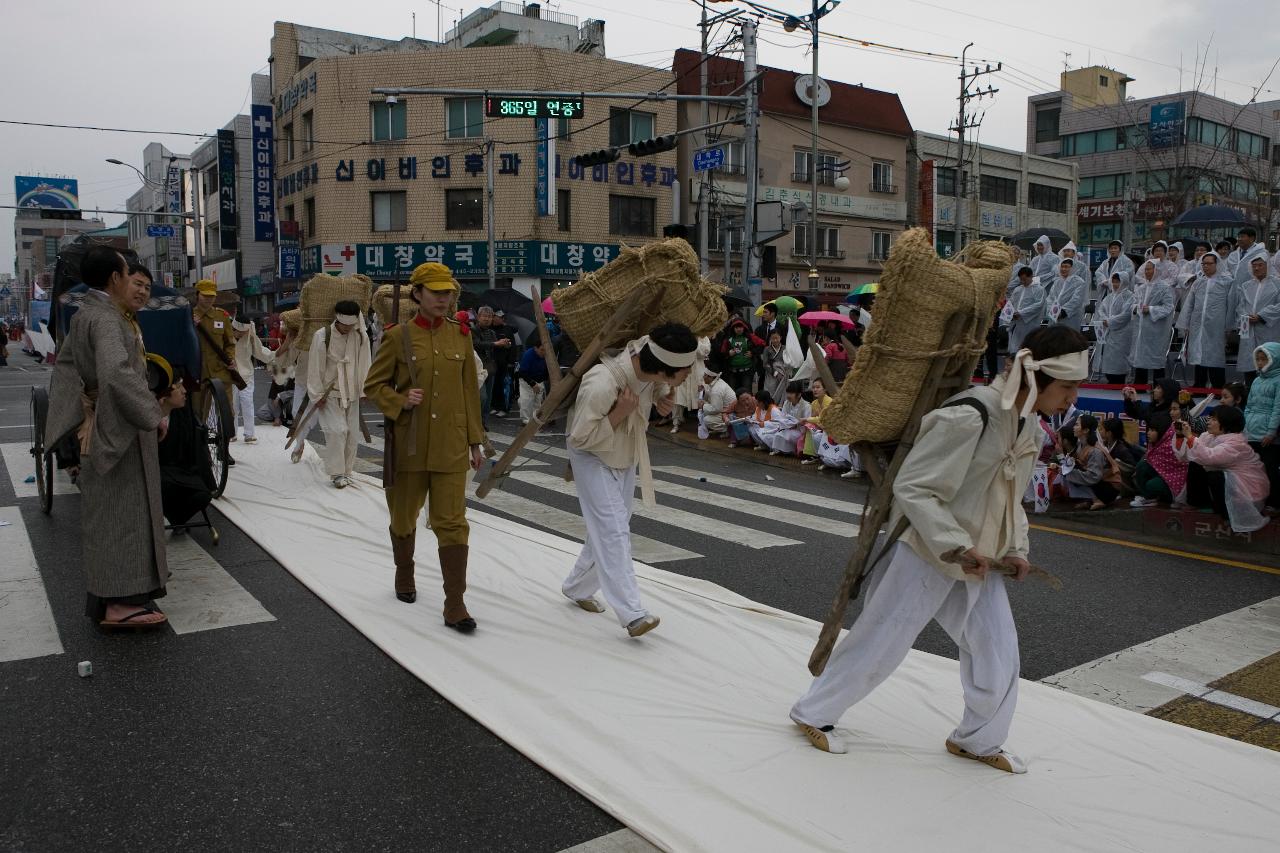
(714, 398)
(248, 347)
(1114, 325)
(1260, 298)
(339, 364)
(1025, 311)
(1154, 325)
(687, 392)
(785, 431)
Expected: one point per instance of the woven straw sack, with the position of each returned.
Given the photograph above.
(383, 299)
(919, 293)
(292, 320)
(669, 267)
(322, 293)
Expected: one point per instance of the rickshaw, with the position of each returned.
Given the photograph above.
(168, 331)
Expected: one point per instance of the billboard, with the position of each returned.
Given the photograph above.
(61, 193)
(264, 175)
(1165, 130)
(227, 210)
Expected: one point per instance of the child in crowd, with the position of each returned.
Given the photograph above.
(790, 425)
(1094, 476)
(1262, 415)
(1161, 477)
(763, 421)
(1163, 393)
(738, 352)
(1233, 394)
(776, 372)
(813, 434)
(1225, 475)
(837, 359)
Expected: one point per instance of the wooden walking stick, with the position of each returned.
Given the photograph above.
(553, 370)
(612, 327)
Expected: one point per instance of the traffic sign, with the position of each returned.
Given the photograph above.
(160, 231)
(708, 158)
(5, 293)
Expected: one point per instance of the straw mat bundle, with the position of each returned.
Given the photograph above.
(384, 303)
(919, 293)
(322, 293)
(292, 320)
(669, 267)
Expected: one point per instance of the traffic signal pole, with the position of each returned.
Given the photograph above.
(750, 251)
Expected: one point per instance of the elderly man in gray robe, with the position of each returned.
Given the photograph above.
(1066, 298)
(1153, 308)
(99, 393)
(1259, 315)
(1208, 313)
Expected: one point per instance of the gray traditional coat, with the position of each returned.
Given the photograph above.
(1151, 336)
(1115, 324)
(121, 517)
(1069, 295)
(1028, 306)
(1208, 313)
(1263, 299)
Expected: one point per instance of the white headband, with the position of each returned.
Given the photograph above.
(673, 359)
(347, 319)
(240, 327)
(1073, 367)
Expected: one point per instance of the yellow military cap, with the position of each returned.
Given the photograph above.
(206, 287)
(433, 276)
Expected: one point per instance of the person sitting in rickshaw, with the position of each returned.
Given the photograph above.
(186, 474)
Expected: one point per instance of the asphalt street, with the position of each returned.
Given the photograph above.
(294, 732)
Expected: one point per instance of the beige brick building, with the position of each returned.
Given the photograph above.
(378, 187)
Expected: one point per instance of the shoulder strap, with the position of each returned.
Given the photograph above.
(328, 334)
(974, 404)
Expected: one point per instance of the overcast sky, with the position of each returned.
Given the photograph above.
(185, 66)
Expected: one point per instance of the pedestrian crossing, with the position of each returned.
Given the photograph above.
(27, 629)
(21, 466)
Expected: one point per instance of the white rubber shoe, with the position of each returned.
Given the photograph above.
(589, 604)
(827, 741)
(1006, 761)
(643, 625)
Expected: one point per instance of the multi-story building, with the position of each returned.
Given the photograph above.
(1002, 192)
(377, 184)
(862, 135)
(1161, 155)
(48, 212)
(237, 253)
(165, 189)
(528, 24)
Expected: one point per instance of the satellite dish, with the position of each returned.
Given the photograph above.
(804, 84)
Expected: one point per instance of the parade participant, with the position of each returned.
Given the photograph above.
(424, 380)
(795, 411)
(1259, 315)
(217, 346)
(100, 393)
(689, 391)
(1067, 297)
(1113, 323)
(1209, 312)
(1027, 309)
(1117, 262)
(1044, 262)
(283, 368)
(248, 347)
(715, 402)
(960, 489)
(1153, 305)
(606, 443)
(337, 365)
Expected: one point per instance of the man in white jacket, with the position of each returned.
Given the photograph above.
(607, 443)
(960, 491)
(338, 365)
(248, 347)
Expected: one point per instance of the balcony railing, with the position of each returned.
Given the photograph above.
(824, 178)
(802, 252)
(876, 187)
(732, 169)
(877, 257)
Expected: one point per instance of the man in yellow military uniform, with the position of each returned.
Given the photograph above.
(217, 346)
(424, 380)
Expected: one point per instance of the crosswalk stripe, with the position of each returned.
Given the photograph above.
(762, 489)
(570, 524)
(201, 595)
(18, 461)
(27, 629)
(736, 534)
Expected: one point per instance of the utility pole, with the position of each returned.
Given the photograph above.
(493, 255)
(704, 201)
(960, 127)
(750, 253)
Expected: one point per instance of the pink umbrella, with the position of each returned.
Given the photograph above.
(813, 318)
(547, 307)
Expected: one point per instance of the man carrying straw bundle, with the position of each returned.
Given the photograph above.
(606, 442)
(960, 490)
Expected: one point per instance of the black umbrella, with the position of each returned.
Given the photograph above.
(1026, 239)
(737, 297)
(1210, 216)
(510, 302)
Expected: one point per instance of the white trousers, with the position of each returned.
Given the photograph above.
(299, 385)
(901, 598)
(606, 495)
(530, 399)
(243, 398)
(341, 437)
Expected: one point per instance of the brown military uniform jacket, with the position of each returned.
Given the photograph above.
(448, 418)
(213, 361)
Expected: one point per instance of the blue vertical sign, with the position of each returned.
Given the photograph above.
(264, 173)
(227, 209)
(1165, 130)
(543, 190)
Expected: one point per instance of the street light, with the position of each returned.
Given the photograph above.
(194, 215)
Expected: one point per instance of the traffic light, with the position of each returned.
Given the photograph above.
(598, 158)
(645, 147)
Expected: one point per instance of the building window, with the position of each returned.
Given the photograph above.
(465, 118)
(881, 242)
(627, 126)
(1047, 124)
(388, 211)
(464, 210)
(1102, 186)
(564, 128)
(882, 178)
(716, 234)
(308, 131)
(50, 251)
(286, 138)
(387, 121)
(828, 241)
(1100, 141)
(1103, 81)
(734, 159)
(1052, 199)
(631, 215)
(288, 213)
(1158, 180)
(564, 219)
(309, 212)
(826, 168)
(998, 190)
(947, 182)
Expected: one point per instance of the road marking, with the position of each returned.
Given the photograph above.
(18, 461)
(762, 489)
(1203, 652)
(1204, 558)
(1217, 697)
(202, 595)
(691, 521)
(27, 629)
(622, 841)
